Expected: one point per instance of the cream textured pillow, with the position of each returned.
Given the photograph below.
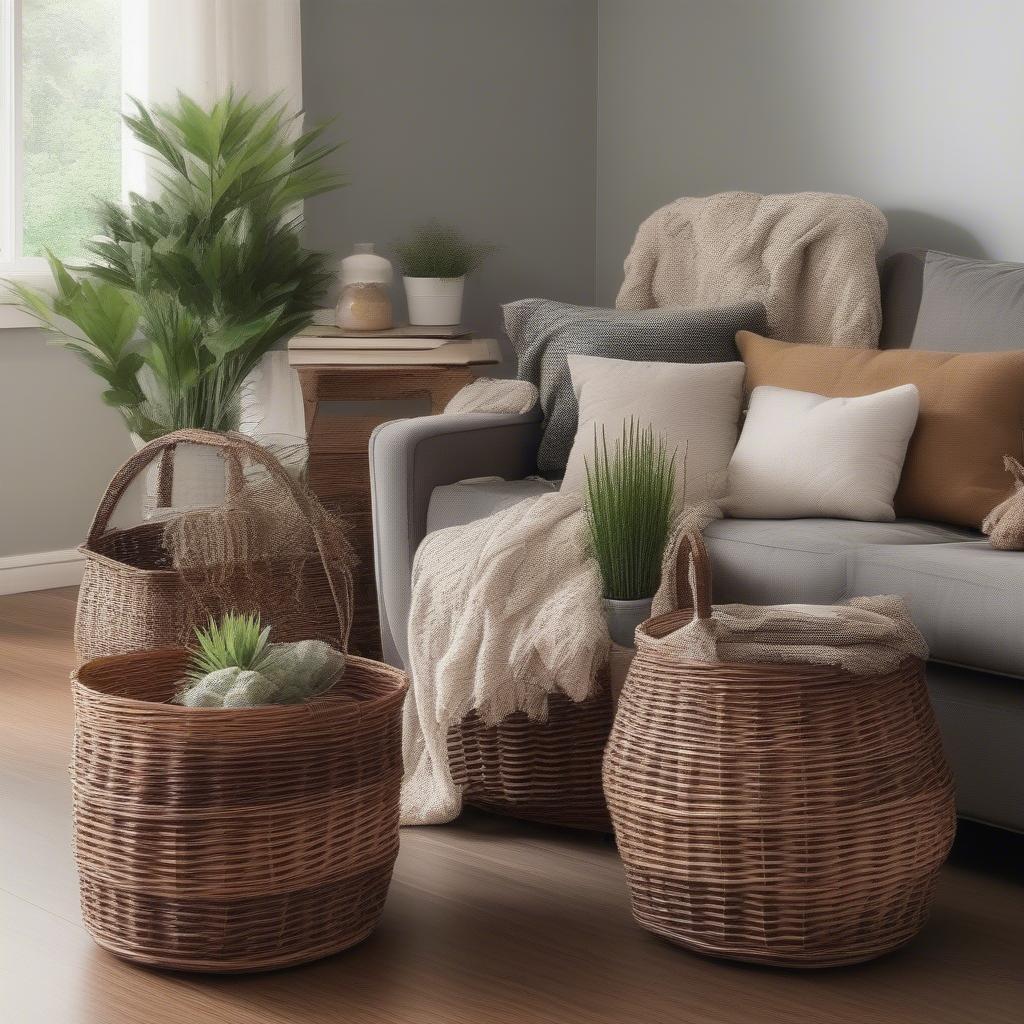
(803, 455)
(698, 403)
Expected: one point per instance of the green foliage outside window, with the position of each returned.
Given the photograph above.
(71, 123)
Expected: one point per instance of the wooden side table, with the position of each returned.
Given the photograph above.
(339, 468)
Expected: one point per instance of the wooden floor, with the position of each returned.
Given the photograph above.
(488, 920)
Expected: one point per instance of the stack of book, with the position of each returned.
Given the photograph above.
(326, 345)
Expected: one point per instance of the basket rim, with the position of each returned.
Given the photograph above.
(91, 554)
(95, 556)
(325, 703)
(795, 670)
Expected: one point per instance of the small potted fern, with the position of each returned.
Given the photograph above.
(630, 492)
(435, 262)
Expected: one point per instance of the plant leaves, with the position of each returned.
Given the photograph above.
(232, 337)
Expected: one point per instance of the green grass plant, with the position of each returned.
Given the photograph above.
(630, 491)
(437, 250)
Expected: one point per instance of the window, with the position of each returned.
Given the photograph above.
(60, 125)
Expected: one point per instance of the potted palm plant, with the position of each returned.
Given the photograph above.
(181, 295)
(435, 262)
(630, 493)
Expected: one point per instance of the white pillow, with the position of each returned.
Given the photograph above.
(695, 402)
(802, 455)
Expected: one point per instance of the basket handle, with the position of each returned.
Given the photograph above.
(165, 476)
(697, 596)
(123, 478)
(233, 445)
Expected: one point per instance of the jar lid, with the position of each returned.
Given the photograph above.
(364, 266)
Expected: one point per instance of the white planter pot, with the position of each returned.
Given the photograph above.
(199, 479)
(624, 616)
(434, 301)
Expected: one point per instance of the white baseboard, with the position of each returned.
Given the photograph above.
(41, 570)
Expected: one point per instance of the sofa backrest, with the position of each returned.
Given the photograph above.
(944, 303)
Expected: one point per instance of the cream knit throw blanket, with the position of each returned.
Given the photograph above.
(505, 611)
(486, 394)
(809, 257)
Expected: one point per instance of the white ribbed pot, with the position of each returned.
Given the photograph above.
(199, 477)
(434, 301)
(624, 616)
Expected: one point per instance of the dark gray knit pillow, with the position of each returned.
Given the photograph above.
(543, 333)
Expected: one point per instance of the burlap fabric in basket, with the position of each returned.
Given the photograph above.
(1004, 525)
(788, 814)
(268, 547)
(212, 839)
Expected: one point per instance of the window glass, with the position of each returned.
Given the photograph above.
(71, 127)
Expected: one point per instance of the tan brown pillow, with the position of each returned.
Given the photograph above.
(972, 414)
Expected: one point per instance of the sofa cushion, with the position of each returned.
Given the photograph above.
(971, 416)
(934, 300)
(693, 409)
(967, 599)
(783, 561)
(544, 333)
(469, 500)
(803, 455)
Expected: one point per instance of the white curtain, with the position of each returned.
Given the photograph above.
(203, 48)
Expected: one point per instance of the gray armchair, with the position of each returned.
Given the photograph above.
(408, 460)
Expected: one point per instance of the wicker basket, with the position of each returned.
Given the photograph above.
(233, 840)
(539, 771)
(783, 814)
(132, 599)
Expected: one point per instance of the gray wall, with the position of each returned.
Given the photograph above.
(480, 113)
(913, 104)
(60, 445)
(552, 127)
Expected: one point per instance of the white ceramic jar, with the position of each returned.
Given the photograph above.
(365, 302)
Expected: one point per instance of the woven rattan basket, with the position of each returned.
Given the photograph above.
(539, 771)
(785, 814)
(133, 599)
(233, 840)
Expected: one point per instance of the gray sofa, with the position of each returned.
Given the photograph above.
(967, 598)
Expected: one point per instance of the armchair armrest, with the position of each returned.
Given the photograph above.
(408, 459)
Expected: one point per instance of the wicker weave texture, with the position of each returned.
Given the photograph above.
(790, 815)
(132, 598)
(539, 771)
(233, 840)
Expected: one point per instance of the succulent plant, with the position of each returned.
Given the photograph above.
(234, 666)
